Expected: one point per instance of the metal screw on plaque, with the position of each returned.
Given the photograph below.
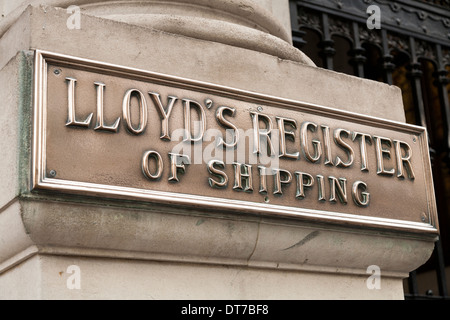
(57, 72)
(52, 173)
(423, 217)
(266, 200)
(414, 139)
(260, 109)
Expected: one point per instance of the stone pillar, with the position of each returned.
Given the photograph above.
(131, 249)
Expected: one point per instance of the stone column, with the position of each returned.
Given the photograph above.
(122, 249)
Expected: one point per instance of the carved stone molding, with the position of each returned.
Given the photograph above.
(245, 24)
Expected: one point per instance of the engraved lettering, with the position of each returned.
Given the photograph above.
(381, 154)
(326, 145)
(363, 148)
(188, 104)
(403, 161)
(212, 169)
(243, 173)
(361, 198)
(258, 133)
(100, 88)
(338, 190)
(344, 146)
(304, 180)
(143, 111)
(311, 126)
(164, 113)
(177, 164)
(278, 176)
(71, 118)
(284, 134)
(262, 179)
(227, 124)
(321, 185)
(146, 165)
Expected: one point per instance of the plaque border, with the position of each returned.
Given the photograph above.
(39, 180)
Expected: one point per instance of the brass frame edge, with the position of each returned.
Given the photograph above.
(39, 181)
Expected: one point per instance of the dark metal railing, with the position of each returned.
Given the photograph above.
(440, 3)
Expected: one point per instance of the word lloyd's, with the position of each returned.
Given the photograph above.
(321, 149)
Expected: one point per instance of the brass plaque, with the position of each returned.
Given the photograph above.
(116, 132)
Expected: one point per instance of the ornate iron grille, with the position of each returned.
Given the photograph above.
(442, 3)
(411, 51)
